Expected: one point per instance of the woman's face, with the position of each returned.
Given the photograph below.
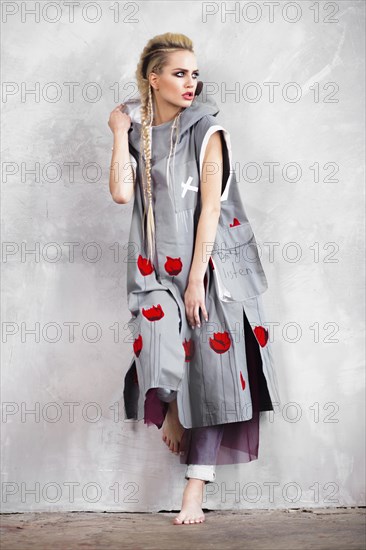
(179, 77)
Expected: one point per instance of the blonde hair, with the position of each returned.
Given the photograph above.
(153, 59)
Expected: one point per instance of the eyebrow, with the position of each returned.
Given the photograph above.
(180, 69)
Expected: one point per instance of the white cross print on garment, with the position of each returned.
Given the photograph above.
(188, 187)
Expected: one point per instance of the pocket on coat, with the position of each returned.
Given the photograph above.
(185, 182)
(238, 271)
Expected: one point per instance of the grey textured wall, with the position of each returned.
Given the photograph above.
(66, 346)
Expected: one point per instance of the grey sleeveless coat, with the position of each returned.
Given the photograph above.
(206, 366)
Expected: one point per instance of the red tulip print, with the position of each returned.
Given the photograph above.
(145, 266)
(154, 313)
(211, 263)
(137, 345)
(173, 266)
(235, 222)
(188, 348)
(261, 334)
(242, 381)
(220, 342)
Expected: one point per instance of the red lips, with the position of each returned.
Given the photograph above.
(188, 95)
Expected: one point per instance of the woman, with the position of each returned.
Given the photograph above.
(191, 248)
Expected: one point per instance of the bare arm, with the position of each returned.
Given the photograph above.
(212, 172)
(121, 176)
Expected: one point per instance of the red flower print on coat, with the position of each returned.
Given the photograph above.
(188, 348)
(145, 266)
(261, 334)
(242, 381)
(235, 222)
(220, 342)
(173, 266)
(154, 313)
(137, 345)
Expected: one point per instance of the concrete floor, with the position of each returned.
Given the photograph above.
(305, 529)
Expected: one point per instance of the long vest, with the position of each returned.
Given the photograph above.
(206, 366)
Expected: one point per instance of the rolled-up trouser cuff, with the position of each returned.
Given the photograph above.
(166, 395)
(205, 472)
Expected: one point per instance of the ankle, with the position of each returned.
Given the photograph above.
(173, 410)
(196, 483)
(173, 405)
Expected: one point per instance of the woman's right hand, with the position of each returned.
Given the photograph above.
(119, 121)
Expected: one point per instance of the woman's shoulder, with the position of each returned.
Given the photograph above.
(205, 127)
(206, 122)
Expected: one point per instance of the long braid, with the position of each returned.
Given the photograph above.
(146, 146)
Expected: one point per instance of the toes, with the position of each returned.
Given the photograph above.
(189, 520)
(177, 521)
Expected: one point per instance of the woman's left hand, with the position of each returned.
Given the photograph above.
(194, 298)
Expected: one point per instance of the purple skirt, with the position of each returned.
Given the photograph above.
(233, 443)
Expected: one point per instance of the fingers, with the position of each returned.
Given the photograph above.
(118, 108)
(115, 110)
(194, 316)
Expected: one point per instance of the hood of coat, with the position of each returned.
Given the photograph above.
(201, 106)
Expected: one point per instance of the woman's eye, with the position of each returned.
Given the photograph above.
(181, 72)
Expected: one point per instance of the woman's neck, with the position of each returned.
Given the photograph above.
(158, 120)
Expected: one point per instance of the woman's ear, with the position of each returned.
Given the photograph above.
(199, 88)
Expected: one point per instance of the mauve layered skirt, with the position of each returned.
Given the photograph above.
(232, 443)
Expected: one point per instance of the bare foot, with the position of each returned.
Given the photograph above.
(172, 428)
(191, 511)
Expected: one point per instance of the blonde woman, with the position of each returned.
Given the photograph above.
(202, 368)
